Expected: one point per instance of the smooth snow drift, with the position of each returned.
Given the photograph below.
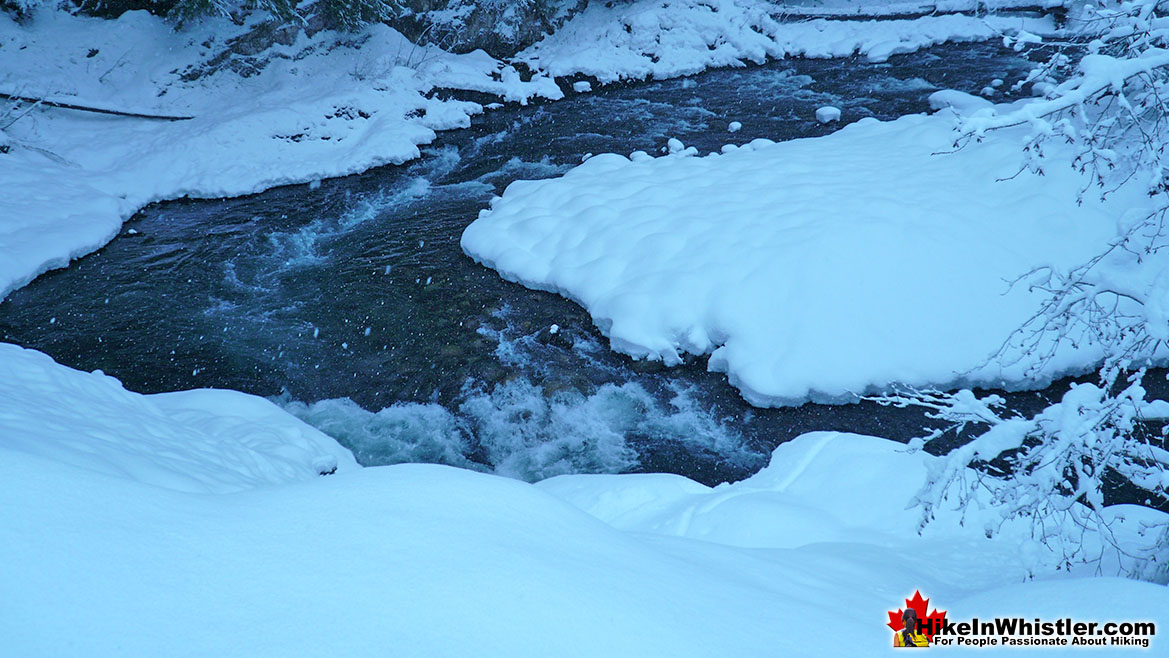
(421, 560)
(818, 268)
(199, 441)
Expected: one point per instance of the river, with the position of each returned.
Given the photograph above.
(350, 303)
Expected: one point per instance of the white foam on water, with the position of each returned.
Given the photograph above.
(892, 85)
(527, 435)
(516, 167)
(520, 430)
(302, 247)
(403, 433)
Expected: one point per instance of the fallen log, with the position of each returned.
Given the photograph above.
(98, 110)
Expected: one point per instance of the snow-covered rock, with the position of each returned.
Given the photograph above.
(828, 114)
(958, 101)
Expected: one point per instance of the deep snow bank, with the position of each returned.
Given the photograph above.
(798, 499)
(816, 268)
(834, 487)
(325, 106)
(175, 525)
(430, 560)
(199, 441)
(637, 40)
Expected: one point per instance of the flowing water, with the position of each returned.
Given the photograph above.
(351, 304)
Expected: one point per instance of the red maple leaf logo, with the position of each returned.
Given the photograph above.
(930, 623)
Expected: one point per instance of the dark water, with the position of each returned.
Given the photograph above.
(355, 293)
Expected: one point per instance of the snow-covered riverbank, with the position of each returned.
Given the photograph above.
(203, 441)
(115, 546)
(322, 107)
(634, 41)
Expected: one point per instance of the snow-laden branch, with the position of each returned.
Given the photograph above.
(1049, 469)
(1112, 106)
(1100, 74)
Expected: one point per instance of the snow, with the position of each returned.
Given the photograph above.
(902, 278)
(892, 8)
(319, 108)
(197, 441)
(102, 556)
(1095, 73)
(763, 510)
(734, 127)
(196, 524)
(402, 556)
(961, 102)
(828, 114)
(638, 40)
(798, 501)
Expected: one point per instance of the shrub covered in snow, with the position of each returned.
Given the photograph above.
(1054, 467)
(1051, 470)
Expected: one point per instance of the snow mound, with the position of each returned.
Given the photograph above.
(762, 511)
(795, 491)
(199, 441)
(398, 556)
(818, 268)
(638, 40)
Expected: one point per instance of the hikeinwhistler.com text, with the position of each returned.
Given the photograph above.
(1020, 632)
